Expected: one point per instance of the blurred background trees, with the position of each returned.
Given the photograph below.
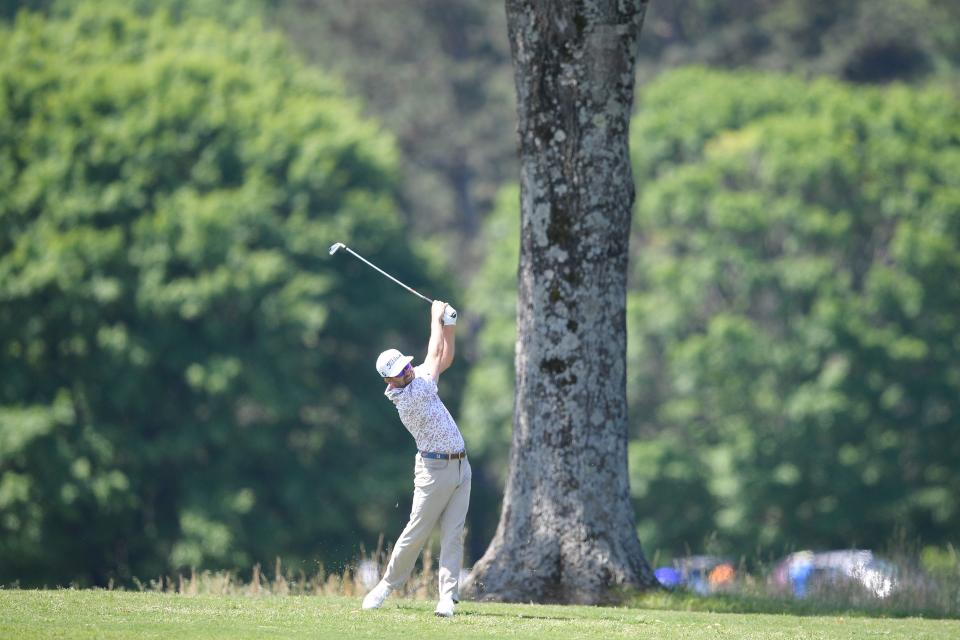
(861, 41)
(797, 277)
(181, 361)
(185, 376)
(438, 75)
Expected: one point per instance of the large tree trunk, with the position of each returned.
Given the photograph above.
(567, 531)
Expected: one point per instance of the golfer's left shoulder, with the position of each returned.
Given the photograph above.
(424, 373)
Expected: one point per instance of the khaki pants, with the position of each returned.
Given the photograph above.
(441, 492)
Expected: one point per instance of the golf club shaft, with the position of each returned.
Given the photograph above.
(411, 290)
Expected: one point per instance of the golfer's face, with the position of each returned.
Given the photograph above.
(404, 378)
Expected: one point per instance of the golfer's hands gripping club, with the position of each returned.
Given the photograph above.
(441, 311)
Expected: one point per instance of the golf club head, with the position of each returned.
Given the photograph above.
(336, 246)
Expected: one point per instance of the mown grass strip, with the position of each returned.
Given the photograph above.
(112, 614)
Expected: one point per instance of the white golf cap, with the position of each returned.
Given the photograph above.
(391, 362)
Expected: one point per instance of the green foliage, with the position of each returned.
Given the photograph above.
(182, 361)
(235, 12)
(487, 416)
(488, 408)
(866, 41)
(941, 562)
(793, 312)
(9, 8)
(437, 74)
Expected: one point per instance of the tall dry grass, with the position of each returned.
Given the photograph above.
(353, 580)
(924, 588)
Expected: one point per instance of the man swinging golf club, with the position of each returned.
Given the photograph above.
(442, 474)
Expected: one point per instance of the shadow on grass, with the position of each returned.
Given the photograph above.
(495, 614)
(514, 616)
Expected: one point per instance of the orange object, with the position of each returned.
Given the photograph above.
(721, 574)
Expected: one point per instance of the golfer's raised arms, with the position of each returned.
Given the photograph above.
(433, 362)
(449, 346)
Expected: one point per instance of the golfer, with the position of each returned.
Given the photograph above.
(442, 474)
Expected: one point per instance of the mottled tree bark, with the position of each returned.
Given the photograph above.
(567, 531)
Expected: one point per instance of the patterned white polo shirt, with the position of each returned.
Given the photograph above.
(425, 416)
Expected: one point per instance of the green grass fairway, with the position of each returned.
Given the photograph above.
(113, 614)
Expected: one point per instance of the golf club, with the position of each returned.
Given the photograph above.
(336, 246)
